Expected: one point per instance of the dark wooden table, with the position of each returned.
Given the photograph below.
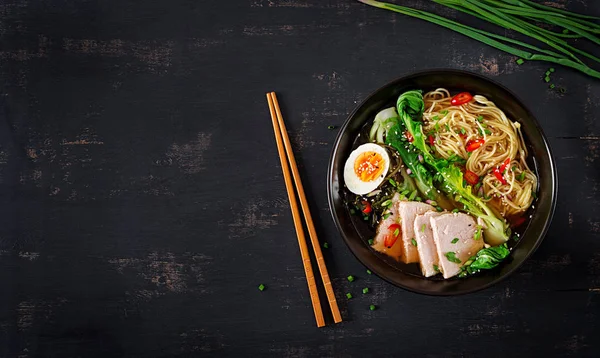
(142, 201)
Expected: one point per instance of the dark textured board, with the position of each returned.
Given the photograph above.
(142, 201)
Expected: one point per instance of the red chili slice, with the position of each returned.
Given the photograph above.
(408, 136)
(391, 239)
(471, 177)
(461, 98)
(474, 144)
(518, 222)
(498, 175)
(504, 165)
(367, 208)
(431, 140)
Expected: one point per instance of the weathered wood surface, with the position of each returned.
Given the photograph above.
(142, 200)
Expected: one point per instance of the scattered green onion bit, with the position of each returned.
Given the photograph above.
(262, 287)
(520, 61)
(393, 182)
(521, 176)
(444, 112)
(423, 228)
(552, 86)
(435, 118)
(349, 295)
(463, 131)
(439, 208)
(330, 127)
(372, 307)
(385, 216)
(516, 237)
(551, 69)
(351, 278)
(369, 272)
(547, 79)
(365, 290)
(413, 242)
(562, 90)
(352, 211)
(477, 233)
(370, 241)
(455, 210)
(387, 203)
(480, 119)
(455, 240)
(488, 132)
(451, 256)
(436, 268)
(396, 232)
(412, 195)
(326, 245)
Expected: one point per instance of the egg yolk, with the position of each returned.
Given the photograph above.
(368, 166)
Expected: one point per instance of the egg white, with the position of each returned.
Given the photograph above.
(353, 182)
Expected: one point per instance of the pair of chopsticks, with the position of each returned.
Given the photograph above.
(282, 139)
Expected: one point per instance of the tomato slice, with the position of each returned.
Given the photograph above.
(474, 144)
(391, 239)
(498, 175)
(408, 136)
(471, 177)
(431, 140)
(367, 208)
(461, 98)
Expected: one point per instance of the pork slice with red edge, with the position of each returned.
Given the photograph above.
(384, 231)
(454, 237)
(408, 211)
(428, 255)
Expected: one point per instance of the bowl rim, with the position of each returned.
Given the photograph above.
(553, 182)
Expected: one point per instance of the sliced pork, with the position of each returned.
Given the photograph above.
(426, 248)
(408, 211)
(453, 235)
(388, 240)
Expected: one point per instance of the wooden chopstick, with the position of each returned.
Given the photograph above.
(337, 317)
(310, 278)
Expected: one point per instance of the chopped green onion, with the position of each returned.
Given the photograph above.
(463, 131)
(455, 240)
(436, 268)
(387, 203)
(451, 256)
(351, 278)
(521, 176)
(552, 86)
(547, 79)
(444, 112)
(418, 198)
(413, 242)
(370, 241)
(262, 287)
(396, 232)
(352, 211)
(365, 218)
(385, 216)
(447, 127)
(551, 69)
(365, 290)
(349, 295)
(435, 118)
(480, 119)
(372, 307)
(488, 132)
(547, 73)
(330, 127)
(369, 272)
(393, 182)
(423, 228)
(325, 245)
(455, 210)
(437, 127)
(439, 208)
(412, 195)
(520, 61)
(477, 233)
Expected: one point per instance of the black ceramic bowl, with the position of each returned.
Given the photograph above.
(356, 233)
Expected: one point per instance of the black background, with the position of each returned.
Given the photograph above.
(142, 200)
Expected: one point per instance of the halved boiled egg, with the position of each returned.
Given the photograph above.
(366, 168)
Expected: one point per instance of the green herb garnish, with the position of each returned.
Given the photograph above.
(387, 203)
(351, 278)
(423, 228)
(372, 307)
(326, 245)
(521, 176)
(479, 119)
(393, 182)
(436, 268)
(520, 61)
(413, 242)
(477, 233)
(365, 290)
(385, 216)
(412, 195)
(435, 118)
(370, 241)
(330, 127)
(349, 295)
(451, 256)
(369, 272)
(444, 112)
(455, 210)
(262, 287)
(455, 240)
(396, 232)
